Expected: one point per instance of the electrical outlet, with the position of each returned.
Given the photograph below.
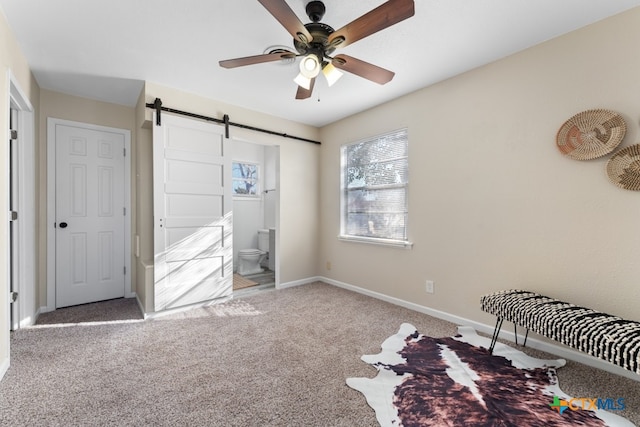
(430, 286)
(328, 265)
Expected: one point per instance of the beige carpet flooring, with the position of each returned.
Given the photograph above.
(114, 310)
(275, 358)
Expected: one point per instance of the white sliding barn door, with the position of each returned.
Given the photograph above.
(193, 223)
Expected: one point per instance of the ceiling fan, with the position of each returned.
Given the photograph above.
(315, 42)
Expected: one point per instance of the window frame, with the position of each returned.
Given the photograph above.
(344, 190)
(256, 180)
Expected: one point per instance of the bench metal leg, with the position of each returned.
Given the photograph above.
(515, 331)
(496, 332)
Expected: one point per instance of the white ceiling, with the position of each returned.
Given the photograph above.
(105, 49)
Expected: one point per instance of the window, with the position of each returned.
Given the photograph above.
(245, 179)
(375, 175)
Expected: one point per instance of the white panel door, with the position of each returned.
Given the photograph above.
(90, 236)
(193, 223)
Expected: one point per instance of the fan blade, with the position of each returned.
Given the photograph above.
(303, 93)
(257, 59)
(385, 15)
(285, 16)
(363, 69)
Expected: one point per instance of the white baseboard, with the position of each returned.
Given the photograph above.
(300, 282)
(140, 306)
(46, 309)
(30, 321)
(4, 367)
(556, 349)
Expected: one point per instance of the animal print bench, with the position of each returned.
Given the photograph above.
(601, 335)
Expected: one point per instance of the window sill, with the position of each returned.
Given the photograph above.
(246, 197)
(404, 244)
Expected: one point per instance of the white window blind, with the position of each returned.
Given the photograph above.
(375, 176)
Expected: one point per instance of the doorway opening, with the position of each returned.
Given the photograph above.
(256, 202)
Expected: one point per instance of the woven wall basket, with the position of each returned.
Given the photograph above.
(623, 168)
(591, 134)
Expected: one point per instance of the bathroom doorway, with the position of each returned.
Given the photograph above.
(256, 202)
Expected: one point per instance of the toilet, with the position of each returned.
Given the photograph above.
(249, 259)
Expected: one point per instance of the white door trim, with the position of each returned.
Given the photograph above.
(26, 224)
(51, 204)
(18, 100)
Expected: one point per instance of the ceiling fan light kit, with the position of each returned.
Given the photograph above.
(315, 42)
(331, 73)
(310, 66)
(302, 81)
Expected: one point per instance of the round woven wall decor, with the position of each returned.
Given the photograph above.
(591, 134)
(623, 168)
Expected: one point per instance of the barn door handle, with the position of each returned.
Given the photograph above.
(63, 225)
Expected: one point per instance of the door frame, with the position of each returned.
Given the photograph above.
(51, 204)
(14, 232)
(26, 225)
(278, 151)
(18, 100)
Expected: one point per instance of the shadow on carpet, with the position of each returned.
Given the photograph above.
(120, 309)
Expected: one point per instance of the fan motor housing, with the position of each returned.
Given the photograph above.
(320, 33)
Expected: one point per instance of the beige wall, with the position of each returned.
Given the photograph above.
(69, 107)
(492, 203)
(299, 185)
(11, 60)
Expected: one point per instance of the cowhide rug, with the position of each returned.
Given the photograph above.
(425, 381)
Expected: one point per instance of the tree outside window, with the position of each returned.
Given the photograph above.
(375, 176)
(245, 179)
